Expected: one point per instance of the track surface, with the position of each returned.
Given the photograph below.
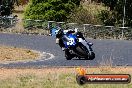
(117, 52)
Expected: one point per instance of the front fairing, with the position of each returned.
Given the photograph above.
(69, 40)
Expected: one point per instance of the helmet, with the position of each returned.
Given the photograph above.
(72, 30)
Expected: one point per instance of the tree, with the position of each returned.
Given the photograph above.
(56, 10)
(83, 16)
(128, 12)
(7, 6)
(117, 10)
(110, 3)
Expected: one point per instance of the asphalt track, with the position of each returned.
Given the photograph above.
(115, 52)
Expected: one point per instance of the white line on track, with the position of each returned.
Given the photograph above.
(51, 56)
(43, 57)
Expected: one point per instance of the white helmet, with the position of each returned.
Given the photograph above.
(74, 30)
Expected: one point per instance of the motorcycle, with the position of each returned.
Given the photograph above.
(76, 46)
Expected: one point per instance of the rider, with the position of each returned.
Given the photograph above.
(59, 39)
(61, 33)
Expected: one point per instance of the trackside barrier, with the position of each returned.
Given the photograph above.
(89, 30)
(8, 21)
(92, 31)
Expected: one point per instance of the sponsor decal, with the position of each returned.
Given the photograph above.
(83, 78)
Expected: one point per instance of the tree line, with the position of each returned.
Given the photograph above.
(115, 14)
(7, 6)
(59, 10)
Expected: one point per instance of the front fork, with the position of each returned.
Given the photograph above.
(90, 47)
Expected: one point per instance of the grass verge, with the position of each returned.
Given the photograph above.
(56, 77)
(8, 53)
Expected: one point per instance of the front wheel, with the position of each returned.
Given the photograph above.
(92, 56)
(68, 55)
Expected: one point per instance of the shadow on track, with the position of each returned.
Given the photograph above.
(80, 59)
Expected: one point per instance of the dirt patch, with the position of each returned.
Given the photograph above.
(8, 73)
(8, 53)
(56, 77)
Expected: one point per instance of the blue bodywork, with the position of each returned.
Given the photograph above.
(70, 41)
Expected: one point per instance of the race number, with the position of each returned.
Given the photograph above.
(71, 41)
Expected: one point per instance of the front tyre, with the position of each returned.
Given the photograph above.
(68, 55)
(92, 56)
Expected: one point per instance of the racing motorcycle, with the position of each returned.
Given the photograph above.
(76, 46)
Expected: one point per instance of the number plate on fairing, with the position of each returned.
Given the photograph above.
(71, 41)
